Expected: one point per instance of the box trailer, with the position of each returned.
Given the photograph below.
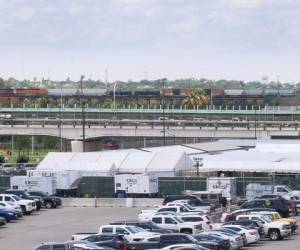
(45, 184)
(136, 184)
(226, 185)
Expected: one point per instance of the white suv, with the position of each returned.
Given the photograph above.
(27, 206)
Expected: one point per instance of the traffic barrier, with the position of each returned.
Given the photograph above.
(111, 202)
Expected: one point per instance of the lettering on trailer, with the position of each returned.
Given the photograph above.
(132, 181)
(31, 183)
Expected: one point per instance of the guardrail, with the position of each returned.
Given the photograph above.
(289, 110)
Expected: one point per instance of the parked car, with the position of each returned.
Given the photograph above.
(221, 242)
(147, 225)
(25, 195)
(203, 219)
(251, 224)
(285, 207)
(15, 208)
(194, 200)
(49, 201)
(27, 206)
(275, 216)
(236, 241)
(232, 215)
(131, 233)
(275, 230)
(251, 235)
(184, 247)
(81, 245)
(169, 221)
(114, 241)
(8, 215)
(162, 241)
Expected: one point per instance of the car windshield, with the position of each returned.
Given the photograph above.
(43, 194)
(17, 198)
(188, 206)
(134, 229)
(288, 189)
(267, 218)
(277, 216)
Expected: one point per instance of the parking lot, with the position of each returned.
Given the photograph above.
(59, 224)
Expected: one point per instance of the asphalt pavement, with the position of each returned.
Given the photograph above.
(57, 225)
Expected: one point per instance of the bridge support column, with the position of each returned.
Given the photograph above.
(90, 146)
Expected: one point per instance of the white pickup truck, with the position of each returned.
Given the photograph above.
(27, 206)
(275, 230)
(131, 233)
(171, 221)
(147, 214)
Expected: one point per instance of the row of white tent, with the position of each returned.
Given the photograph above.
(163, 161)
(266, 156)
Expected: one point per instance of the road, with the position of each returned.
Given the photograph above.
(59, 224)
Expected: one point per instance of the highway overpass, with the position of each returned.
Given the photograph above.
(176, 129)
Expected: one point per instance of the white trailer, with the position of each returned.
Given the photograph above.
(45, 184)
(136, 183)
(226, 185)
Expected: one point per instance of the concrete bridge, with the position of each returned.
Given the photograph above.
(144, 130)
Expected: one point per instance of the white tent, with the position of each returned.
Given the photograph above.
(266, 157)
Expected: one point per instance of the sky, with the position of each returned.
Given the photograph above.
(138, 39)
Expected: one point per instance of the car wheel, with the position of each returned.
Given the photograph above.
(48, 204)
(274, 235)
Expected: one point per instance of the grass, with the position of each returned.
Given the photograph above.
(34, 157)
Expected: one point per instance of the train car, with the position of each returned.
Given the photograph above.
(6, 92)
(30, 92)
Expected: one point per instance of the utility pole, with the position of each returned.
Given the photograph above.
(82, 113)
(163, 109)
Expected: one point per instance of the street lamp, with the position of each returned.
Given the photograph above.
(198, 164)
(82, 113)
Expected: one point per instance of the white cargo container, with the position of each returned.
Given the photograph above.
(136, 183)
(45, 184)
(226, 185)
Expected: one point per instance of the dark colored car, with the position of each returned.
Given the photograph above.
(164, 240)
(232, 216)
(8, 215)
(49, 201)
(284, 207)
(25, 195)
(193, 200)
(222, 244)
(251, 224)
(148, 225)
(114, 241)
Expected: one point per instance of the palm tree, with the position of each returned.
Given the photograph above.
(196, 99)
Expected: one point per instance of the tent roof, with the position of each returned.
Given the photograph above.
(212, 146)
(266, 157)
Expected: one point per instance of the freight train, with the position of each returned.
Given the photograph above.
(17, 95)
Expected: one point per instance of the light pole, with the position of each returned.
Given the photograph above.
(198, 164)
(60, 118)
(163, 109)
(82, 113)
